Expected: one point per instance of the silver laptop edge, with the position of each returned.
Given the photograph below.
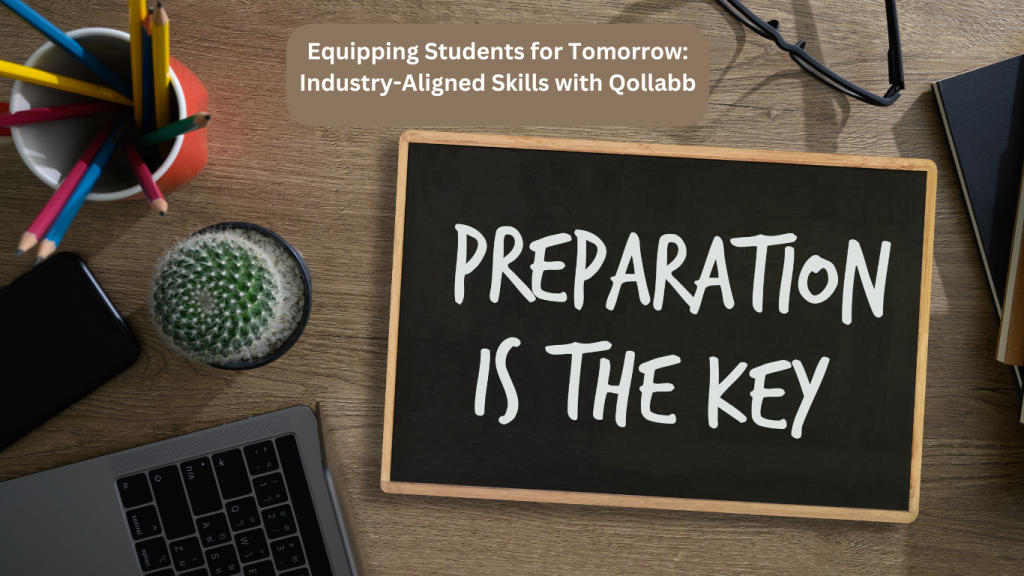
(339, 495)
(69, 520)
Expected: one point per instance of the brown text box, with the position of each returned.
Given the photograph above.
(490, 75)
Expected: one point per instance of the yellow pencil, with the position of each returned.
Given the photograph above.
(51, 80)
(161, 65)
(136, 11)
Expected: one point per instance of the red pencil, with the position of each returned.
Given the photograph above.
(4, 107)
(46, 217)
(145, 177)
(52, 113)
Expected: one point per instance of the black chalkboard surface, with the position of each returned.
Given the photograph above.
(659, 326)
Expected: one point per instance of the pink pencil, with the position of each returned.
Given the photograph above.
(4, 107)
(52, 113)
(49, 212)
(145, 177)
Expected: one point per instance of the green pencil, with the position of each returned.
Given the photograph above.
(172, 130)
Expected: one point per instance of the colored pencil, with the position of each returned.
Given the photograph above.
(53, 207)
(67, 214)
(52, 113)
(148, 105)
(136, 12)
(4, 107)
(69, 45)
(153, 195)
(161, 66)
(51, 80)
(183, 126)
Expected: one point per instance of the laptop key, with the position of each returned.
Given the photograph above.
(186, 554)
(261, 457)
(201, 487)
(231, 474)
(153, 554)
(270, 489)
(214, 530)
(265, 568)
(252, 545)
(223, 561)
(288, 553)
(299, 572)
(200, 572)
(134, 491)
(143, 522)
(278, 521)
(242, 514)
(167, 572)
(171, 501)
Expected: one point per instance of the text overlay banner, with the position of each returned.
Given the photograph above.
(497, 75)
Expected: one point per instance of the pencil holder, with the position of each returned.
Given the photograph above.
(50, 149)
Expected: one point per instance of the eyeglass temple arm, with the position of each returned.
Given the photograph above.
(895, 52)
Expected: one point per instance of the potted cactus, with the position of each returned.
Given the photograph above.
(234, 296)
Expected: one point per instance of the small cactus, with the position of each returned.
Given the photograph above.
(226, 295)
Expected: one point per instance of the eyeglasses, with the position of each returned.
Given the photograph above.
(770, 30)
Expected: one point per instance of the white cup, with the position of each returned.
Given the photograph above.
(51, 149)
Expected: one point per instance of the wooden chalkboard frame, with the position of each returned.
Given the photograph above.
(759, 508)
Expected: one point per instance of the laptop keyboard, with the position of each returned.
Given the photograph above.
(244, 511)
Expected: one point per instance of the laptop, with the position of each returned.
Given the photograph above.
(254, 497)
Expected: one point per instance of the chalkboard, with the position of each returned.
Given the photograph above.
(751, 326)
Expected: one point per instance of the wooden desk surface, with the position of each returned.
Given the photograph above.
(331, 193)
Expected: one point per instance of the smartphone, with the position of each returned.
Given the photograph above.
(60, 338)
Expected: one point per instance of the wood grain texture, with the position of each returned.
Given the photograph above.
(665, 151)
(330, 192)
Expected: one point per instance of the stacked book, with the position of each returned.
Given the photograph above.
(983, 111)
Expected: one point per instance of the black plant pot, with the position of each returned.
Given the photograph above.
(307, 282)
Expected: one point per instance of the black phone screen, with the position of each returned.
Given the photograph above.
(60, 338)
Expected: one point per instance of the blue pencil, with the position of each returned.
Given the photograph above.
(69, 45)
(148, 103)
(67, 214)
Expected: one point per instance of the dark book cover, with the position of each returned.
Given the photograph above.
(983, 111)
